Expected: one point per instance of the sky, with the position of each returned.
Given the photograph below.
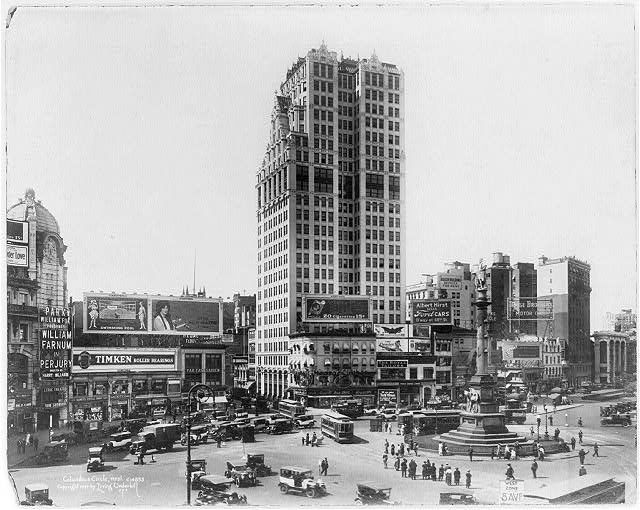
(141, 130)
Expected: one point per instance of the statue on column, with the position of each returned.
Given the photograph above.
(473, 397)
(481, 277)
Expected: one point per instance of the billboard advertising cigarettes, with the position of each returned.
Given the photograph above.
(55, 343)
(431, 311)
(142, 314)
(335, 309)
(530, 309)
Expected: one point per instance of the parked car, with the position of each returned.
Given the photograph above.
(225, 432)
(198, 469)
(617, 419)
(272, 417)
(370, 411)
(119, 441)
(457, 498)
(304, 421)
(36, 494)
(388, 414)
(256, 462)
(371, 493)
(199, 434)
(241, 474)
(53, 452)
(155, 437)
(216, 489)
(280, 426)
(70, 438)
(95, 462)
(299, 480)
(260, 424)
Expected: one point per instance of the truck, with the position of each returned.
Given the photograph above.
(156, 437)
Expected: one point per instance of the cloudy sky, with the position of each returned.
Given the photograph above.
(141, 130)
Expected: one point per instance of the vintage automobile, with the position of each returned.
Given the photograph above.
(225, 432)
(256, 462)
(299, 480)
(241, 421)
(119, 441)
(259, 423)
(388, 414)
(457, 498)
(371, 493)
(280, 426)
(241, 474)
(199, 434)
(55, 451)
(36, 494)
(241, 413)
(135, 425)
(617, 419)
(70, 438)
(95, 462)
(216, 489)
(370, 410)
(198, 469)
(304, 421)
(272, 417)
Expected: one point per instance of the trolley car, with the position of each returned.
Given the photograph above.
(337, 426)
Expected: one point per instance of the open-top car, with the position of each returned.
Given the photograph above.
(36, 494)
(95, 462)
(457, 498)
(256, 462)
(616, 419)
(299, 480)
(304, 421)
(198, 468)
(372, 493)
(119, 441)
(70, 438)
(217, 489)
(199, 434)
(55, 451)
(241, 474)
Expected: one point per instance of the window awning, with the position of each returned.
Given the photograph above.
(372, 346)
(327, 362)
(355, 361)
(336, 346)
(355, 348)
(345, 346)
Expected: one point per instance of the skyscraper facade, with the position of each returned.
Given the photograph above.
(330, 197)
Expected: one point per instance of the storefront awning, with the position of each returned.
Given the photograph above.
(327, 362)
(221, 400)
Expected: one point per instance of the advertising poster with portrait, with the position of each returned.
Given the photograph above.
(391, 345)
(336, 309)
(137, 314)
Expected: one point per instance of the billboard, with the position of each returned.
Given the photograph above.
(393, 363)
(419, 345)
(17, 243)
(530, 309)
(391, 330)
(449, 282)
(111, 360)
(142, 314)
(55, 342)
(336, 309)
(431, 311)
(391, 344)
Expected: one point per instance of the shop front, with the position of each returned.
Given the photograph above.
(20, 413)
(89, 408)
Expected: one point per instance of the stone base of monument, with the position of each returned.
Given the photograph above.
(481, 429)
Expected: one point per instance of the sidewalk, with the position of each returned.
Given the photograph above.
(14, 458)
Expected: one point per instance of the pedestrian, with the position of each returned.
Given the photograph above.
(448, 475)
(19, 446)
(386, 448)
(499, 451)
(554, 409)
(580, 421)
(434, 476)
(566, 419)
(403, 468)
(386, 443)
(393, 450)
(573, 443)
(410, 446)
(580, 436)
(401, 449)
(320, 467)
(470, 452)
(538, 420)
(439, 448)
(468, 476)
(307, 439)
(385, 458)
(314, 438)
(456, 476)
(28, 439)
(556, 434)
(415, 449)
(412, 469)
(582, 454)
(219, 440)
(302, 440)
(35, 442)
(509, 472)
(534, 468)
(551, 421)
(396, 464)
(595, 450)
(425, 470)
(326, 467)
(531, 430)
(440, 473)
(582, 471)
(141, 457)
(541, 453)
(493, 453)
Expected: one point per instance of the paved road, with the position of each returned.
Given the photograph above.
(163, 482)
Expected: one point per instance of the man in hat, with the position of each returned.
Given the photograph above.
(534, 468)
(582, 471)
(468, 477)
(456, 476)
(509, 472)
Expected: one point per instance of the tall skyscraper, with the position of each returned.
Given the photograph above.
(567, 282)
(330, 194)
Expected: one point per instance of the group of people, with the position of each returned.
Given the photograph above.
(313, 441)
(399, 450)
(28, 440)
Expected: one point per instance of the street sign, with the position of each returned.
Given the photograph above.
(511, 492)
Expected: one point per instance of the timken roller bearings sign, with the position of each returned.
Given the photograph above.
(103, 360)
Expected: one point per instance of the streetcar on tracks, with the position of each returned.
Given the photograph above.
(291, 408)
(337, 426)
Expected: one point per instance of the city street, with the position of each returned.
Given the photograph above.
(163, 482)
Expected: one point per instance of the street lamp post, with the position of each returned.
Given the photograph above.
(202, 391)
(546, 431)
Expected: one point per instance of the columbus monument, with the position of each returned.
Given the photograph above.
(481, 425)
